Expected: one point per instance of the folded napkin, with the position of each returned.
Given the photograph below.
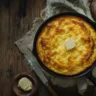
(54, 7)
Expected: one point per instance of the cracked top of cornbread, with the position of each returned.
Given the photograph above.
(51, 48)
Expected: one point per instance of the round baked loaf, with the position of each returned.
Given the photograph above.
(51, 47)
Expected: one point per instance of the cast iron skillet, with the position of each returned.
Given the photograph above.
(88, 71)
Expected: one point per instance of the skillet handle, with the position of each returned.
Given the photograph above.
(92, 75)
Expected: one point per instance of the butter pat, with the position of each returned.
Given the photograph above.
(25, 84)
(70, 44)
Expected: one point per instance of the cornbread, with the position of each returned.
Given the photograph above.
(52, 51)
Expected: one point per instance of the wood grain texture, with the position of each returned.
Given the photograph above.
(12, 28)
(13, 25)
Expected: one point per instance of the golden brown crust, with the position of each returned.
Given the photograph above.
(52, 52)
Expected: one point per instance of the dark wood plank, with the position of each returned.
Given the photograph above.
(12, 28)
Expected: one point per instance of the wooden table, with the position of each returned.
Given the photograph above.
(13, 25)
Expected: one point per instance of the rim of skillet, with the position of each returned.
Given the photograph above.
(93, 24)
